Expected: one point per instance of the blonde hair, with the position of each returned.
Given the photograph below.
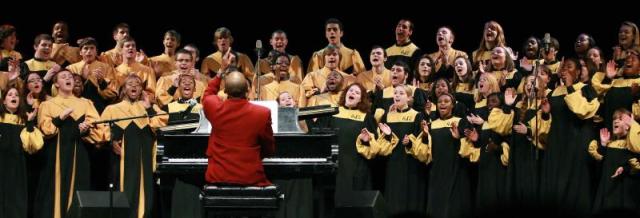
(493, 84)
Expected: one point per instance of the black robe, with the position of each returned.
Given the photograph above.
(406, 177)
(15, 139)
(354, 173)
(137, 160)
(65, 152)
(565, 175)
(614, 193)
(525, 157)
(449, 188)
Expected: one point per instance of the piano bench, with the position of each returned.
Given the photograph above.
(240, 200)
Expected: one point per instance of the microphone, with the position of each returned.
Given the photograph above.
(546, 41)
(259, 47)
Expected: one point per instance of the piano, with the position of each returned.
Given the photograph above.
(298, 155)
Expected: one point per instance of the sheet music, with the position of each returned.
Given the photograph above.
(205, 126)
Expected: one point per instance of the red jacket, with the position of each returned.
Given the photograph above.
(241, 136)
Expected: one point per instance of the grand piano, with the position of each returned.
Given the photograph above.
(181, 154)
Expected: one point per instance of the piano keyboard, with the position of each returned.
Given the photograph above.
(265, 160)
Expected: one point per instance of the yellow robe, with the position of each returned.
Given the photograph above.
(63, 52)
(144, 72)
(367, 79)
(350, 58)
(70, 158)
(212, 63)
(165, 63)
(138, 149)
(166, 82)
(295, 68)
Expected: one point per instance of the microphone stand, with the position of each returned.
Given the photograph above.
(111, 200)
(257, 76)
(112, 121)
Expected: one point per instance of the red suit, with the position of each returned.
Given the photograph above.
(241, 136)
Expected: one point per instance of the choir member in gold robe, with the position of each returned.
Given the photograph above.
(66, 121)
(446, 54)
(279, 42)
(164, 64)
(131, 66)
(278, 81)
(350, 61)
(100, 85)
(41, 62)
(114, 57)
(223, 41)
(379, 77)
(8, 42)
(167, 87)
(134, 141)
(62, 53)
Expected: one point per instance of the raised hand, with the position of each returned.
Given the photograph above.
(227, 59)
(51, 72)
(364, 135)
(611, 69)
(520, 128)
(425, 127)
(406, 140)
(393, 108)
(454, 131)
(378, 82)
(524, 64)
(32, 115)
(482, 67)
(140, 56)
(510, 96)
(384, 128)
(471, 134)
(604, 137)
(617, 52)
(146, 100)
(474, 119)
(626, 119)
(85, 71)
(30, 99)
(99, 73)
(427, 107)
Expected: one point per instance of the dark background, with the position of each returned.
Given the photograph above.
(364, 26)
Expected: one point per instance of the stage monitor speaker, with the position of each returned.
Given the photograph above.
(363, 204)
(95, 204)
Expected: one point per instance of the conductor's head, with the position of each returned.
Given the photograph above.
(236, 86)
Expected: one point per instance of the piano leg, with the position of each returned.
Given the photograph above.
(298, 197)
(166, 188)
